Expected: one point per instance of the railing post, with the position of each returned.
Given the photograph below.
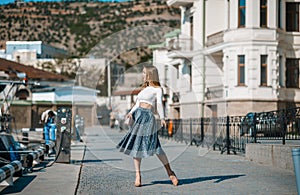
(227, 135)
(284, 119)
(254, 128)
(202, 129)
(214, 130)
(191, 131)
(181, 130)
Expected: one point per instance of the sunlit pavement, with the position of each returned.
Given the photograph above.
(106, 170)
(97, 167)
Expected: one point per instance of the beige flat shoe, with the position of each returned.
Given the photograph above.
(174, 179)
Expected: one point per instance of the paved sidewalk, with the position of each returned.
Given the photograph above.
(55, 179)
(104, 170)
(107, 171)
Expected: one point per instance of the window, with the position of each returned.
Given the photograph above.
(292, 73)
(192, 31)
(292, 17)
(263, 70)
(123, 97)
(191, 77)
(177, 70)
(279, 7)
(166, 75)
(189, 72)
(192, 26)
(241, 70)
(176, 97)
(242, 13)
(121, 76)
(263, 13)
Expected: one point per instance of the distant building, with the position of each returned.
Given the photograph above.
(124, 94)
(74, 94)
(25, 103)
(26, 51)
(19, 1)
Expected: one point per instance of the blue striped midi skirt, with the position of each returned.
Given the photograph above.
(141, 140)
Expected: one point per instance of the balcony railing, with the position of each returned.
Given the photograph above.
(181, 44)
(215, 92)
(215, 38)
(180, 2)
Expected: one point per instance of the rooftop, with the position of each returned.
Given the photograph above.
(11, 68)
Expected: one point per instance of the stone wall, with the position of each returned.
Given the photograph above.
(279, 156)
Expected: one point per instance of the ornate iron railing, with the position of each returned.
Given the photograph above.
(231, 133)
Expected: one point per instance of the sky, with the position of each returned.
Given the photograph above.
(11, 1)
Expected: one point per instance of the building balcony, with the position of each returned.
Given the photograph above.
(183, 3)
(215, 92)
(215, 39)
(290, 38)
(180, 47)
(182, 44)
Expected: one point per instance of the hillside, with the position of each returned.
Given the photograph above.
(78, 27)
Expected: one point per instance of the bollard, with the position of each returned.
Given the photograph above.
(296, 159)
(33, 158)
(25, 139)
(7, 172)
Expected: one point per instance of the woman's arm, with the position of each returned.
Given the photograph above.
(160, 108)
(137, 104)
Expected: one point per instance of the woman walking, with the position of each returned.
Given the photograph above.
(142, 141)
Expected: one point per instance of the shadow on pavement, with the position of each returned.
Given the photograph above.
(93, 161)
(19, 185)
(218, 179)
(98, 160)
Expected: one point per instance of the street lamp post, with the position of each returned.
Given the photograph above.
(109, 84)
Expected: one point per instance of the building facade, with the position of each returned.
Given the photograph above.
(28, 51)
(231, 57)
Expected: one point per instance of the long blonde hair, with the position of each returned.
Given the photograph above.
(152, 78)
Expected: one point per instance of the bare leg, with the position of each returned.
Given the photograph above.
(164, 159)
(137, 165)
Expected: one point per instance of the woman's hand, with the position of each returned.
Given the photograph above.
(163, 123)
(129, 115)
(128, 119)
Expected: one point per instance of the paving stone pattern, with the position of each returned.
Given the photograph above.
(107, 171)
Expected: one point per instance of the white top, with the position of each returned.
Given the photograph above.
(150, 95)
(44, 116)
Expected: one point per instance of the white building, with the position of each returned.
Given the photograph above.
(28, 52)
(73, 94)
(125, 92)
(235, 57)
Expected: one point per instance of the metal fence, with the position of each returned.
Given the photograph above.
(231, 133)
